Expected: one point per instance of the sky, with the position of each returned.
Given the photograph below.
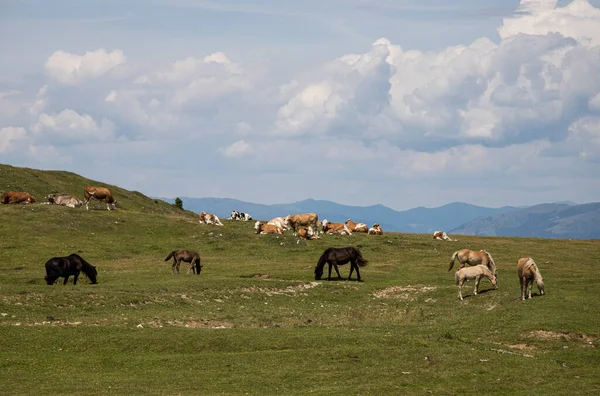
(361, 102)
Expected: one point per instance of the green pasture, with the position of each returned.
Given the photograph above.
(255, 321)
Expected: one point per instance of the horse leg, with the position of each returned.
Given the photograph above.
(337, 270)
(476, 287)
(66, 279)
(75, 278)
(357, 271)
(460, 283)
(529, 287)
(173, 266)
(522, 280)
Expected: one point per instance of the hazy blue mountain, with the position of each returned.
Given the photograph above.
(544, 221)
(417, 220)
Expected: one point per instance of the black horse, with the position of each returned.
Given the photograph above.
(340, 256)
(67, 266)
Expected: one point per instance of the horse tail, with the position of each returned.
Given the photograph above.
(452, 260)
(171, 255)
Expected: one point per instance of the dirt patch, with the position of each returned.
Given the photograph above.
(194, 324)
(554, 335)
(521, 347)
(288, 291)
(403, 292)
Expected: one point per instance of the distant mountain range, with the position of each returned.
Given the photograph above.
(552, 220)
(417, 220)
(542, 221)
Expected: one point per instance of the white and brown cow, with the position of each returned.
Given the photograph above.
(267, 228)
(209, 218)
(101, 194)
(357, 227)
(64, 200)
(310, 220)
(335, 228)
(441, 236)
(375, 230)
(279, 222)
(17, 197)
(305, 233)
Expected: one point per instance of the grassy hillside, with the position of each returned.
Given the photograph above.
(40, 183)
(256, 322)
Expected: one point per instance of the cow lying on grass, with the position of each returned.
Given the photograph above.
(17, 197)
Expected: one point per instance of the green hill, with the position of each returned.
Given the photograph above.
(256, 322)
(40, 183)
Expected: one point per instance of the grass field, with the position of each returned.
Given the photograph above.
(256, 322)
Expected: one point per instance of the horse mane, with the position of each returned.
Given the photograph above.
(86, 267)
(537, 274)
(323, 259)
(491, 261)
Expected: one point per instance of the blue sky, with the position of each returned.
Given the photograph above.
(404, 103)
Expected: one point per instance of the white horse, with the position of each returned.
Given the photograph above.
(529, 272)
(475, 272)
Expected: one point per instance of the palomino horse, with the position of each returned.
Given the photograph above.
(67, 266)
(189, 256)
(469, 273)
(340, 256)
(528, 272)
(474, 257)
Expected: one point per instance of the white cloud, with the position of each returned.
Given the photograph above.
(9, 135)
(70, 68)
(237, 149)
(70, 127)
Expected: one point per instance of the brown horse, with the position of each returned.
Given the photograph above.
(474, 257)
(475, 272)
(340, 256)
(189, 256)
(67, 266)
(529, 272)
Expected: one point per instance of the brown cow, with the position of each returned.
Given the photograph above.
(357, 227)
(375, 230)
(310, 220)
(441, 236)
(15, 197)
(305, 233)
(101, 194)
(338, 228)
(267, 228)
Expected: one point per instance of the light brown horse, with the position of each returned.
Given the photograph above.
(475, 272)
(189, 256)
(529, 272)
(474, 257)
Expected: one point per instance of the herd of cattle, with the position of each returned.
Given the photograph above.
(304, 226)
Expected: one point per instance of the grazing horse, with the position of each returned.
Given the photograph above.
(340, 256)
(67, 266)
(474, 257)
(189, 256)
(528, 272)
(475, 272)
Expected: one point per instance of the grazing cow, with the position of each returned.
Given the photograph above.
(310, 220)
(528, 273)
(279, 222)
(235, 215)
(337, 228)
(267, 228)
(441, 236)
(16, 197)
(101, 194)
(64, 200)
(209, 218)
(375, 230)
(357, 227)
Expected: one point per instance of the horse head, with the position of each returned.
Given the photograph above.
(318, 273)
